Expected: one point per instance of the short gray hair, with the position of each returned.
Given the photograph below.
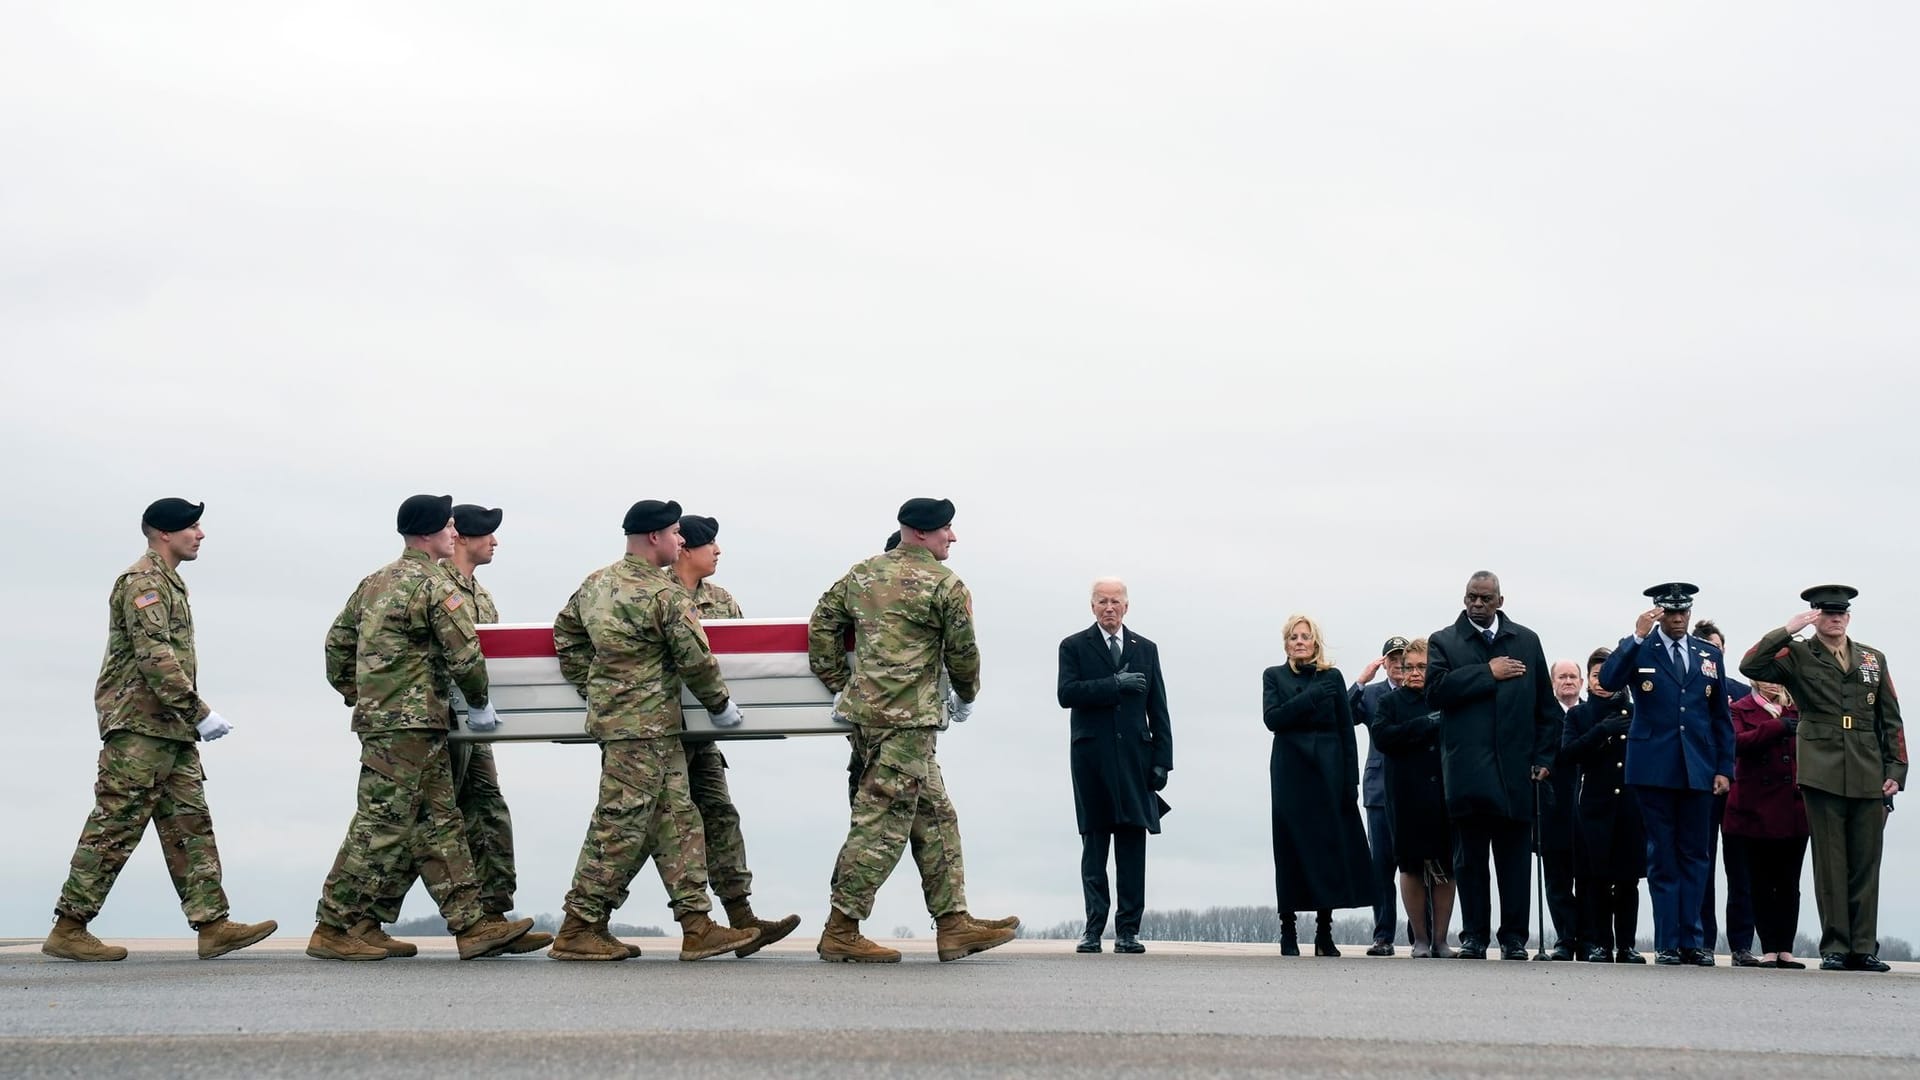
(1094, 591)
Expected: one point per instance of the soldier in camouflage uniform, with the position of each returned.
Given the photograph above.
(485, 820)
(405, 635)
(727, 871)
(628, 639)
(1851, 759)
(910, 617)
(151, 713)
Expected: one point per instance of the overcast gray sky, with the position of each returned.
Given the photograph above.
(1265, 307)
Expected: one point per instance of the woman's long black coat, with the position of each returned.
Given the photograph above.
(1320, 855)
(1407, 731)
(1609, 839)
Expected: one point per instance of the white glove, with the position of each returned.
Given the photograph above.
(960, 710)
(482, 719)
(836, 715)
(728, 717)
(212, 727)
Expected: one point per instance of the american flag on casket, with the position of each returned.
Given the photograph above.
(763, 660)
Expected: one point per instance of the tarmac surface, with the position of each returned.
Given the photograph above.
(1032, 1008)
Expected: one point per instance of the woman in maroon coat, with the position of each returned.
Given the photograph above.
(1767, 817)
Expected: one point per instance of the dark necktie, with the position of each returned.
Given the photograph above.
(1113, 648)
(1488, 634)
(1679, 657)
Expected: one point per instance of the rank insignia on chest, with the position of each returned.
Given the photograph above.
(146, 599)
(1708, 668)
(1869, 668)
(1647, 687)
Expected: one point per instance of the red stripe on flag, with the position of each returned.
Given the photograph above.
(504, 643)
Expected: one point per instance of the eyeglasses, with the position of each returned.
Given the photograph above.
(1413, 667)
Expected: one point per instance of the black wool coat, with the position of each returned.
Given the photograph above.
(1492, 731)
(1118, 738)
(1609, 839)
(1320, 857)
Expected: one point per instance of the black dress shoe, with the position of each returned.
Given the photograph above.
(1833, 961)
(1866, 962)
(1471, 951)
(1381, 948)
(1089, 943)
(1562, 952)
(1794, 964)
(1743, 958)
(1598, 955)
(1513, 952)
(1629, 956)
(1127, 943)
(1668, 958)
(1698, 957)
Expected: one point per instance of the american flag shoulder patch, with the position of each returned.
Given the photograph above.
(452, 602)
(146, 599)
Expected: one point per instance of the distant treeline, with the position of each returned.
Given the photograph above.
(1259, 924)
(435, 926)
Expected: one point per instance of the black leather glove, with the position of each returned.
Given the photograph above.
(1792, 722)
(1159, 778)
(1131, 682)
(1617, 724)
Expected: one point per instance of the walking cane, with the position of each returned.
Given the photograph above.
(1539, 875)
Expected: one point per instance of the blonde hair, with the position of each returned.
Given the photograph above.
(1417, 645)
(1319, 659)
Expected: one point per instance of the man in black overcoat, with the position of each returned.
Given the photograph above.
(1121, 754)
(1499, 732)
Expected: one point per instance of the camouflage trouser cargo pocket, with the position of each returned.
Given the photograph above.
(645, 810)
(720, 821)
(899, 800)
(142, 779)
(406, 783)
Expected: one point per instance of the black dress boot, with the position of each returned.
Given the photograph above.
(1289, 935)
(1323, 934)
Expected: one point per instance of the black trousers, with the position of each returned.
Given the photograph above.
(1609, 912)
(1129, 870)
(1773, 873)
(1739, 892)
(1562, 905)
(1509, 843)
(1386, 879)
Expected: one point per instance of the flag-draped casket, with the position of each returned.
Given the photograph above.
(764, 662)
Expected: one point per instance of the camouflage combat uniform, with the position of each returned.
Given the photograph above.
(148, 704)
(707, 775)
(910, 616)
(476, 791)
(628, 639)
(404, 636)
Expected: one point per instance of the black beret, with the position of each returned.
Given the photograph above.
(424, 515)
(1672, 595)
(472, 520)
(650, 515)
(926, 514)
(1835, 598)
(699, 531)
(172, 515)
(894, 540)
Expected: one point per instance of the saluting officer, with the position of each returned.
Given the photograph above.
(151, 715)
(1852, 755)
(1679, 756)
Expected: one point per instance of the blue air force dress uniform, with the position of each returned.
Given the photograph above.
(1681, 738)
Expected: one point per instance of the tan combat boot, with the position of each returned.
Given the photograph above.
(333, 943)
(740, 916)
(531, 941)
(841, 941)
(701, 937)
(225, 936)
(582, 940)
(371, 932)
(70, 941)
(960, 936)
(1011, 922)
(491, 936)
(633, 951)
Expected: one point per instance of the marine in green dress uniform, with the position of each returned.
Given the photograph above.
(1852, 756)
